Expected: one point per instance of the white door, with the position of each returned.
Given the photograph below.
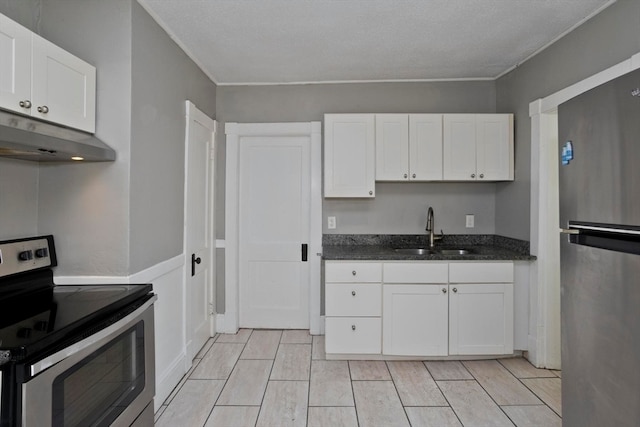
(15, 67)
(200, 137)
(274, 207)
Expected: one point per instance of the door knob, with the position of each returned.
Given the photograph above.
(194, 261)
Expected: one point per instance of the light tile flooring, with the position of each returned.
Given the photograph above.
(281, 378)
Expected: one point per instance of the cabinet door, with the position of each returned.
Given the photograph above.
(353, 335)
(349, 155)
(392, 147)
(414, 320)
(15, 66)
(494, 147)
(63, 86)
(425, 147)
(480, 319)
(459, 151)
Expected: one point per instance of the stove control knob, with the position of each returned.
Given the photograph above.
(41, 325)
(42, 253)
(24, 332)
(25, 255)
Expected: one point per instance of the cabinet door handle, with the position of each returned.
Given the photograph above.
(444, 290)
(405, 176)
(353, 272)
(481, 175)
(353, 327)
(44, 109)
(353, 293)
(305, 252)
(371, 193)
(25, 104)
(473, 175)
(413, 176)
(455, 290)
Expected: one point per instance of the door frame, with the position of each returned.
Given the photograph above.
(192, 113)
(544, 306)
(234, 132)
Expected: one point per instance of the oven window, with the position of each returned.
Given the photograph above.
(99, 388)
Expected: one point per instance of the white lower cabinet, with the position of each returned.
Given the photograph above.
(353, 306)
(353, 335)
(480, 318)
(415, 320)
(421, 309)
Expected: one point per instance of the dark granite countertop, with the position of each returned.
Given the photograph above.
(481, 247)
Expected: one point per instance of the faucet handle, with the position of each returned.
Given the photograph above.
(440, 237)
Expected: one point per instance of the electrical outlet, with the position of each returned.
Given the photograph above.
(331, 222)
(470, 221)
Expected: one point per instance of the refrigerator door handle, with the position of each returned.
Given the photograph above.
(575, 229)
(569, 231)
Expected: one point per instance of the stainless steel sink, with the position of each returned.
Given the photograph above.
(454, 251)
(428, 251)
(415, 251)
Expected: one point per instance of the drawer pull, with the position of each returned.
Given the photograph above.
(353, 272)
(455, 289)
(353, 327)
(444, 290)
(353, 293)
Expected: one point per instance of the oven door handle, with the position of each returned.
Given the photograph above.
(49, 361)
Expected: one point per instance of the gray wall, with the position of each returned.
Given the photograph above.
(397, 208)
(121, 217)
(163, 78)
(18, 199)
(607, 39)
(86, 206)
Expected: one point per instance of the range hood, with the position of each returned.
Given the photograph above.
(24, 138)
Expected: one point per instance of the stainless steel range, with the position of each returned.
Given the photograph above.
(71, 355)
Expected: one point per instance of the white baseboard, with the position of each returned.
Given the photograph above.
(167, 380)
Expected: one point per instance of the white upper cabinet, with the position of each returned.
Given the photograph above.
(39, 79)
(408, 147)
(349, 155)
(392, 147)
(64, 86)
(15, 66)
(425, 147)
(478, 147)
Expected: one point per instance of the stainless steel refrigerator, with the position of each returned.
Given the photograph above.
(599, 138)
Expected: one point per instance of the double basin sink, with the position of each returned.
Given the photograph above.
(433, 251)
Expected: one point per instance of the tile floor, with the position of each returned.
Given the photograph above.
(281, 378)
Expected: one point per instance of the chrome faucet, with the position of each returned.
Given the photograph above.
(431, 227)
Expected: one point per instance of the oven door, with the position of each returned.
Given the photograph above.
(105, 379)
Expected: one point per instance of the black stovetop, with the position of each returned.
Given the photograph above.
(49, 316)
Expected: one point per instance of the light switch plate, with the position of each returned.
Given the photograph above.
(331, 222)
(470, 221)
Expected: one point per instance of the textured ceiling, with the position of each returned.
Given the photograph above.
(289, 41)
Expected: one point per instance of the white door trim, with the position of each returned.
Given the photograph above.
(233, 132)
(193, 113)
(544, 314)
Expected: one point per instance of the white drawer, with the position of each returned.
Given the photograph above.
(353, 335)
(336, 271)
(357, 299)
(416, 272)
(481, 272)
